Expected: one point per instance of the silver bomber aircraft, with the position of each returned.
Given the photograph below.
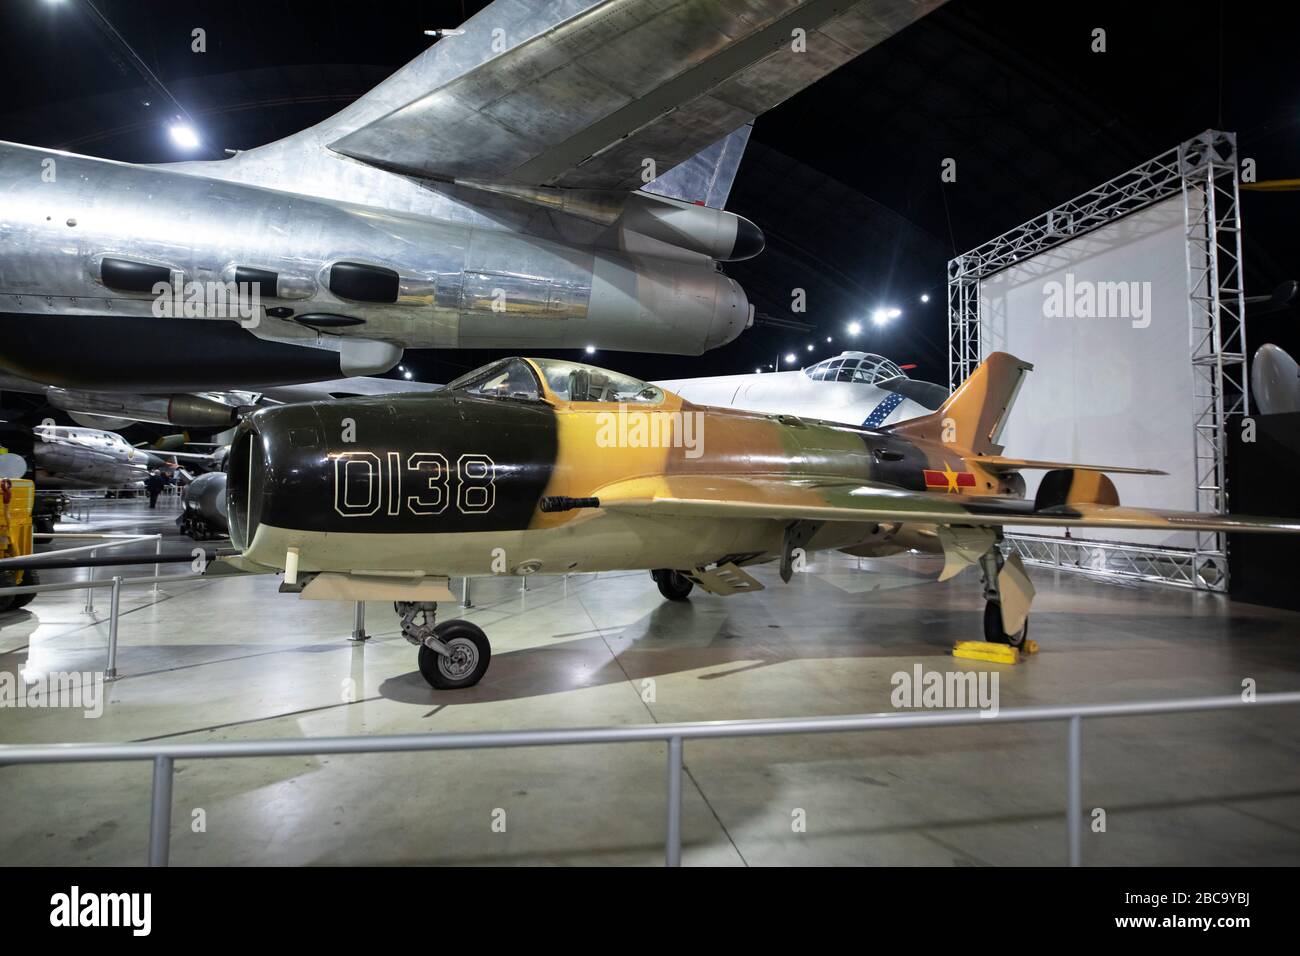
(551, 177)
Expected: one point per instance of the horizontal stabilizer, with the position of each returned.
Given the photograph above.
(999, 464)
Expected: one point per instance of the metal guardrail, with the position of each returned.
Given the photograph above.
(117, 582)
(164, 755)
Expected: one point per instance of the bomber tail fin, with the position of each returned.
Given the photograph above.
(973, 416)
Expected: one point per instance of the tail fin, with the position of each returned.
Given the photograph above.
(706, 178)
(973, 416)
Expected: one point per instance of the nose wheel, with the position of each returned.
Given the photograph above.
(453, 654)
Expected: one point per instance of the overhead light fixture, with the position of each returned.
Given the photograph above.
(408, 374)
(790, 359)
(184, 136)
(591, 350)
(880, 317)
(758, 371)
(828, 340)
(894, 313)
(809, 346)
(855, 328)
(925, 297)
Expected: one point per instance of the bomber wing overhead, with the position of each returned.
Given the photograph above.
(584, 103)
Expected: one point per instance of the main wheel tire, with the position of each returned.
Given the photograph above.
(993, 632)
(673, 585)
(22, 600)
(470, 655)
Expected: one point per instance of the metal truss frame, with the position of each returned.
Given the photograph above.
(1203, 171)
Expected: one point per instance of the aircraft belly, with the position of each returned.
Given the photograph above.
(604, 542)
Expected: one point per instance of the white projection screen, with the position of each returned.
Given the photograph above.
(1104, 320)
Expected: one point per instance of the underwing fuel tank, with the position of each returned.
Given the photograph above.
(187, 411)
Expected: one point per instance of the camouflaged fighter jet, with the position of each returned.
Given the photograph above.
(541, 465)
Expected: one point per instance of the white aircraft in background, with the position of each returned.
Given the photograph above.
(1275, 381)
(854, 388)
(73, 457)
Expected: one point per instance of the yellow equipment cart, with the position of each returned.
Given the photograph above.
(16, 498)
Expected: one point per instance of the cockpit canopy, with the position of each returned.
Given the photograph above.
(558, 380)
(865, 368)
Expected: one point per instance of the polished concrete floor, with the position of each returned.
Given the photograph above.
(233, 660)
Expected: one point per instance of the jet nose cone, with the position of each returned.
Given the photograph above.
(750, 240)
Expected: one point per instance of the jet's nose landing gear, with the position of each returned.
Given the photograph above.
(453, 654)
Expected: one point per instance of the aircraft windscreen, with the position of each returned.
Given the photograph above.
(575, 382)
(861, 367)
(511, 378)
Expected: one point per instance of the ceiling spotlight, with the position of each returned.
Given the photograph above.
(855, 328)
(758, 371)
(810, 347)
(407, 374)
(591, 350)
(880, 317)
(894, 313)
(925, 297)
(184, 136)
(790, 359)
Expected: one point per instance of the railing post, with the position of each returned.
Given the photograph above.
(673, 849)
(466, 602)
(90, 592)
(359, 623)
(114, 605)
(1074, 796)
(160, 812)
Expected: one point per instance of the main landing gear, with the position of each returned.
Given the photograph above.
(673, 585)
(453, 654)
(991, 563)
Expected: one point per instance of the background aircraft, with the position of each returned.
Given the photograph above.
(550, 177)
(73, 457)
(1275, 381)
(210, 409)
(855, 388)
(541, 465)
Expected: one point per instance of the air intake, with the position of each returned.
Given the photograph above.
(363, 283)
(127, 276)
